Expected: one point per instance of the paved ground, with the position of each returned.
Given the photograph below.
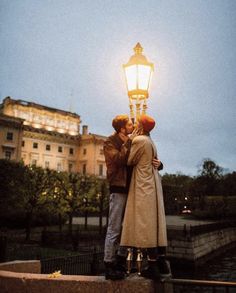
(171, 221)
(181, 221)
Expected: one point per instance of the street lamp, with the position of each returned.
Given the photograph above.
(138, 72)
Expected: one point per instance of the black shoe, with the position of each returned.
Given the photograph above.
(111, 273)
(151, 271)
(164, 267)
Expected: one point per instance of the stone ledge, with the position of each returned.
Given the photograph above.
(22, 266)
(38, 283)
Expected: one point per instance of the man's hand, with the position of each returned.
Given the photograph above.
(123, 137)
(156, 163)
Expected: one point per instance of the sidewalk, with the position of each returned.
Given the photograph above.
(170, 220)
(183, 220)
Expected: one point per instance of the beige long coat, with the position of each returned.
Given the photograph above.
(144, 222)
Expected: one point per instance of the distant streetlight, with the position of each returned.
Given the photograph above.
(138, 72)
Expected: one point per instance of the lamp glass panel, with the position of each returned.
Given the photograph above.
(131, 77)
(144, 74)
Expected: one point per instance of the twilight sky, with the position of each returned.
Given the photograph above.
(68, 54)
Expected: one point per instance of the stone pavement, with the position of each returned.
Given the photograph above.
(184, 220)
(179, 221)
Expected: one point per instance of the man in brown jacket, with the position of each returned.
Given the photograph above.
(116, 151)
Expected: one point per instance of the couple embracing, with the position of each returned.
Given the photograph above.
(136, 207)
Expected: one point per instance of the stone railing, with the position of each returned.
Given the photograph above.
(15, 277)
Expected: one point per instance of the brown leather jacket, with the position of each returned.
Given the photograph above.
(116, 154)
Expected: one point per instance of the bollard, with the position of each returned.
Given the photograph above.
(129, 260)
(139, 261)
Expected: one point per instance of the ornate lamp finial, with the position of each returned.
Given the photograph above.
(138, 49)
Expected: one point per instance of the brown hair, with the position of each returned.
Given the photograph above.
(119, 122)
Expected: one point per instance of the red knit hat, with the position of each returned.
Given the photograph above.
(147, 122)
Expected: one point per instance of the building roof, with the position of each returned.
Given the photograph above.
(9, 100)
(93, 138)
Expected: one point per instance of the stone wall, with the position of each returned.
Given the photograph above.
(192, 248)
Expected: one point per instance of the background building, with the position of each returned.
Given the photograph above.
(49, 138)
(10, 137)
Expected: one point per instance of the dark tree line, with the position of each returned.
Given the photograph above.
(31, 195)
(211, 193)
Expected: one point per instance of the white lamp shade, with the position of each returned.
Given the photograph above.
(138, 77)
(138, 72)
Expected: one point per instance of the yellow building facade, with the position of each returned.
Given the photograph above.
(51, 138)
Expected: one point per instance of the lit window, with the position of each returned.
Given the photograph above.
(48, 147)
(9, 135)
(35, 145)
(100, 170)
(59, 167)
(60, 149)
(84, 151)
(8, 155)
(71, 151)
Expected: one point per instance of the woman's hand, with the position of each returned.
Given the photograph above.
(135, 133)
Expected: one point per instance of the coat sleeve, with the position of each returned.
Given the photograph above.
(112, 154)
(136, 151)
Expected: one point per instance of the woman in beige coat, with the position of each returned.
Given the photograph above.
(144, 224)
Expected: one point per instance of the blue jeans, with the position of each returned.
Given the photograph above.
(116, 213)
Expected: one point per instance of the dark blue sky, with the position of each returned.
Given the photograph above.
(69, 54)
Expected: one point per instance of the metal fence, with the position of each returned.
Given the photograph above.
(201, 286)
(84, 264)
(188, 230)
(201, 229)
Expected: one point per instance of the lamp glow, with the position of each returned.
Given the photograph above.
(138, 73)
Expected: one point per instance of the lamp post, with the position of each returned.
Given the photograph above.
(138, 72)
(85, 200)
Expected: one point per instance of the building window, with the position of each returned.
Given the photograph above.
(84, 151)
(84, 169)
(48, 147)
(100, 170)
(71, 151)
(9, 135)
(34, 162)
(35, 145)
(59, 167)
(47, 163)
(23, 143)
(8, 155)
(60, 149)
(70, 167)
(101, 152)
